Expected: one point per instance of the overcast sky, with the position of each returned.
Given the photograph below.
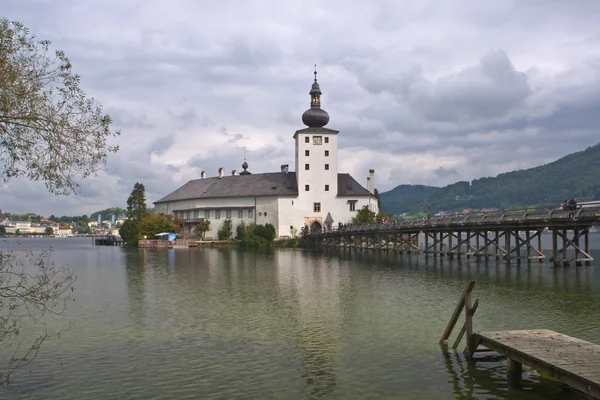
(424, 92)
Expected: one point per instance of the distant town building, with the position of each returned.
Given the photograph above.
(315, 195)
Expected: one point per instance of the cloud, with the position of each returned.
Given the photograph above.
(424, 93)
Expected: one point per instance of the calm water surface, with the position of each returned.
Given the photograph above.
(291, 324)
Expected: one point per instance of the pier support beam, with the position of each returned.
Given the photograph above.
(514, 371)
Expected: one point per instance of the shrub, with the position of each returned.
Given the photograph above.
(240, 230)
(226, 230)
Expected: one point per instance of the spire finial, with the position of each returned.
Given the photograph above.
(315, 73)
(245, 151)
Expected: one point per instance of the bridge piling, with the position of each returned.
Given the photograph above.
(453, 235)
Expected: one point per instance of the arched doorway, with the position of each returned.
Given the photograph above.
(315, 227)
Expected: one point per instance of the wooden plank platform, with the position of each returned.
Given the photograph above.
(572, 361)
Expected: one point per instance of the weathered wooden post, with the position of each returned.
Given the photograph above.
(564, 244)
(528, 239)
(540, 249)
(507, 245)
(450, 245)
(554, 245)
(587, 244)
(576, 239)
(514, 371)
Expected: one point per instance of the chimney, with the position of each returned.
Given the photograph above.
(203, 174)
(221, 172)
(285, 168)
(234, 172)
(371, 181)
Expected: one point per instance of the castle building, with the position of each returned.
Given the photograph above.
(315, 195)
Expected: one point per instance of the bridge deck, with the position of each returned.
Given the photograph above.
(573, 361)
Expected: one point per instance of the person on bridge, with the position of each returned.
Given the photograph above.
(572, 206)
(565, 205)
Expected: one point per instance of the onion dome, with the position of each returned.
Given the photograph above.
(315, 116)
(245, 166)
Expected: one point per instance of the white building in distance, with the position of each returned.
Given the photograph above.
(316, 195)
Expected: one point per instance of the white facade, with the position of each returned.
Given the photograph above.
(320, 191)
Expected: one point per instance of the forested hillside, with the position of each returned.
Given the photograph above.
(577, 174)
(391, 199)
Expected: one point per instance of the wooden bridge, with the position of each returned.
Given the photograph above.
(508, 235)
(572, 361)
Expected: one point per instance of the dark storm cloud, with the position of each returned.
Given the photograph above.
(429, 92)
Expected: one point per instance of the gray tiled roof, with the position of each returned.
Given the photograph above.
(270, 184)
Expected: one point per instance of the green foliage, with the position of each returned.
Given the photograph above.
(150, 225)
(577, 174)
(130, 232)
(266, 231)
(226, 230)
(49, 230)
(258, 235)
(202, 227)
(136, 203)
(49, 130)
(364, 216)
(240, 230)
(2, 229)
(108, 213)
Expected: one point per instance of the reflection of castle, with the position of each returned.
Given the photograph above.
(315, 195)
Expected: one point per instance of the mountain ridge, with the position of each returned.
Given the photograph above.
(576, 174)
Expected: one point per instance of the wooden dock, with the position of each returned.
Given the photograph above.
(573, 361)
(107, 241)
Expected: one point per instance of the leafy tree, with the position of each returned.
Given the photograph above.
(49, 130)
(202, 227)
(226, 230)
(52, 133)
(2, 230)
(49, 230)
(150, 225)
(130, 232)
(364, 216)
(136, 203)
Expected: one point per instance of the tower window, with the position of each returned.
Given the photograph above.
(306, 188)
(250, 213)
(306, 167)
(227, 213)
(326, 153)
(327, 188)
(317, 207)
(326, 140)
(307, 153)
(240, 213)
(352, 206)
(326, 167)
(306, 139)
(207, 214)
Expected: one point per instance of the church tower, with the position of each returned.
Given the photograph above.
(316, 151)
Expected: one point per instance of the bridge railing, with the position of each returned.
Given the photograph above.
(502, 217)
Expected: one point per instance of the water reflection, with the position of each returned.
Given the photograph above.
(296, 324)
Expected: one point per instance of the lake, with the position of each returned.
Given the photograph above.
(228, 323)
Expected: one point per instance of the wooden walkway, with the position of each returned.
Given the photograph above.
(572, 361)
(506, 234)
